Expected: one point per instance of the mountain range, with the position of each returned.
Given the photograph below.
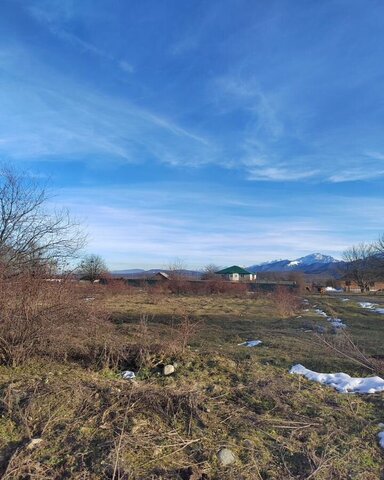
(315, 263)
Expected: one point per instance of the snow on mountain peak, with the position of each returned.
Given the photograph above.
(310, 262)
(311, 259)
(315, 258)
(294, 263)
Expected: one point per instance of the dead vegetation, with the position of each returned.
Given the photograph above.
(65, 411)
(285, 301)
(42, 318)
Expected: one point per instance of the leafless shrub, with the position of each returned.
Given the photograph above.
(344, 345)
(186, 329)
(43, 318)
(151, 349)
(286, 303)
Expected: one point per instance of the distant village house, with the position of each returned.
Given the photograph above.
(236, 274)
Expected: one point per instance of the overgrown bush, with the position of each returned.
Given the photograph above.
(39, 317)
(285, 301)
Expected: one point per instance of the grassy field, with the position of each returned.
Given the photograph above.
(91, 424)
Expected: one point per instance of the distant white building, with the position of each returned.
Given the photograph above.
(236, 274)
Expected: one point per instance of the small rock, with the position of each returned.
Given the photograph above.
(248, 443)
(33, 443)
(226, 457)
(157, 451)
(168, 369)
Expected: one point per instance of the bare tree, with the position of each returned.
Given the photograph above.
(31, 236)
(177, 269)
(209, 271)
(361, 265)
(379, 253)
(92, 267)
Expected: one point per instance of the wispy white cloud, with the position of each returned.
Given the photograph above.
(46, 116)
(279, 174)
(56, 16)
(255, 112)
(126, 66)
(145, 227)
(357, 174)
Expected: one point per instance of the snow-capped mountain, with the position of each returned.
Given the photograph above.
(313, 263)
(311, 259)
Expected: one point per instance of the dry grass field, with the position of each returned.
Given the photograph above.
(75, 417)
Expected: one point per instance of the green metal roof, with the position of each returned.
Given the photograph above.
(233, 269)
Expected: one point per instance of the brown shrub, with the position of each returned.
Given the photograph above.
(286, 302)
(50, 318)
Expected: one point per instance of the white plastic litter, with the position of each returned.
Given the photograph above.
(345, 299)
(320, 312)
(250, 343)
(342, 382)
(128, 375)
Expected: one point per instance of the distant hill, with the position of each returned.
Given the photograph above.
(128, 272)
(315, 263)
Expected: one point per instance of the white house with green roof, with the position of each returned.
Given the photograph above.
(236, 274)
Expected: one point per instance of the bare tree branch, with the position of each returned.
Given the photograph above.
(31, 237)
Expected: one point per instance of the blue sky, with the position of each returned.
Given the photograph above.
(229, 131)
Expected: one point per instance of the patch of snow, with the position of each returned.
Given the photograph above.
(345, 299)
(381, 439)
(342, 382)
(336, 322)
(372, 306)
(250, 343)
(294, 263)
(368, 305)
